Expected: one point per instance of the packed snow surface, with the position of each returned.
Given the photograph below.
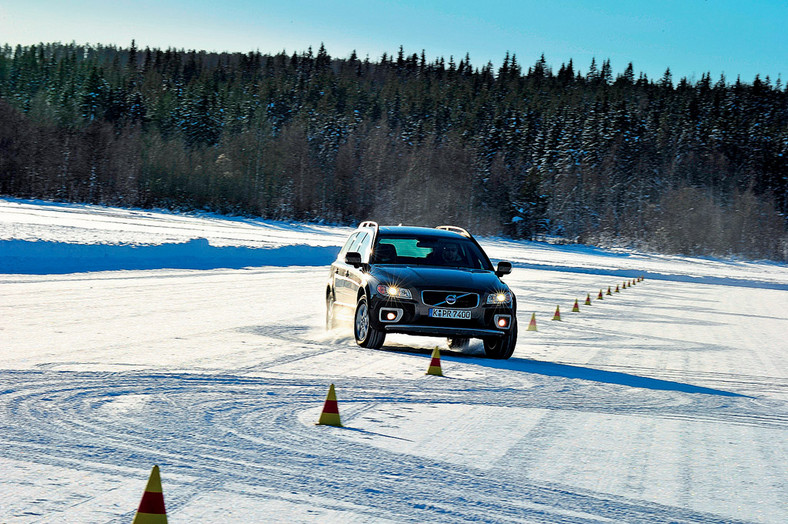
(130, 338)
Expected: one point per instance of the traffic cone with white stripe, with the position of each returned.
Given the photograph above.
(330, 414)
(435, 363)
(151, 509)
(532, 324)
(575, 308)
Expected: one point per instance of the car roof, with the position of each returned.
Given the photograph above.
(423, 231)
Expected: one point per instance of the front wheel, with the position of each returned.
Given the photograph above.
(366, 335)
(501, 347)
(458, 343)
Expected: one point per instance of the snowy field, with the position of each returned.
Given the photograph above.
(130, 338)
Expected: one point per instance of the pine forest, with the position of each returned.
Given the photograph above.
(695, 167)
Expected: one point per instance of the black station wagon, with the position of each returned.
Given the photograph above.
(422, 281)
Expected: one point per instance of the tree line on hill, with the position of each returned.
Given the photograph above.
(697, 168)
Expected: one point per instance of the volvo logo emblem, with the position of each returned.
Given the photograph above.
(451, 300)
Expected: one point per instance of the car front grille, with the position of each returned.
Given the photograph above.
(459, 299)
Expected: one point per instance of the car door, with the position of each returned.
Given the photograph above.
(339, 273)
(363, 245)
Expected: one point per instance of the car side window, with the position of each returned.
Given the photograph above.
(357, 242)
(346, 247)
(365, 246)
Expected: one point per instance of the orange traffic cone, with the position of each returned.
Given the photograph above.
(151, 510)
(588, 299)
(532, 324)
(617, 291)
(330, 414)
(600, 297)
(575, 308)
(633, 282)
(557, 315)
(435, 363)
(608, 291)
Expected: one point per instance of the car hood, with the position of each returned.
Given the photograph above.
(438, 277)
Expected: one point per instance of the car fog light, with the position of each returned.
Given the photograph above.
(502, 321)
(393, 314)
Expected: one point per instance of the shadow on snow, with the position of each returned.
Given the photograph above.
(552, 369)
(40, 258)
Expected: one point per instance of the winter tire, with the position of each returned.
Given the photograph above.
(365, 333)
(458, 343)
(501, 347)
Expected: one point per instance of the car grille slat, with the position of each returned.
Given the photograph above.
(458, 299)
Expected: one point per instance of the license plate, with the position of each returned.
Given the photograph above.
(450, 313)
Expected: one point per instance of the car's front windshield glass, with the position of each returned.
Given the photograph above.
(429, 251)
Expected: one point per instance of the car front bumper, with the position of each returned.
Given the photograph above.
(412, 318)
(442, 331)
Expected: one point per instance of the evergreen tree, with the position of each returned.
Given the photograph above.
(629, 161)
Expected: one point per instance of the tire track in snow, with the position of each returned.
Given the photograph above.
(209, 429)
(702, 405)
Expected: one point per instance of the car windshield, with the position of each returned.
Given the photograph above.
(429, 251)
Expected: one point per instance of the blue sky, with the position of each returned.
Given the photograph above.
(689, 36)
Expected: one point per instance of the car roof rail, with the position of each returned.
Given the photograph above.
(455, 229)
(373, 225)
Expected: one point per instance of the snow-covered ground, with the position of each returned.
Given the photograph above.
(130, 338)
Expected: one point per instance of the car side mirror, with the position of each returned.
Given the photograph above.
(353, 258)
(504, 268)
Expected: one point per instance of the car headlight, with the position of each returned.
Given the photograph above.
(499, 298)
(394, 291)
